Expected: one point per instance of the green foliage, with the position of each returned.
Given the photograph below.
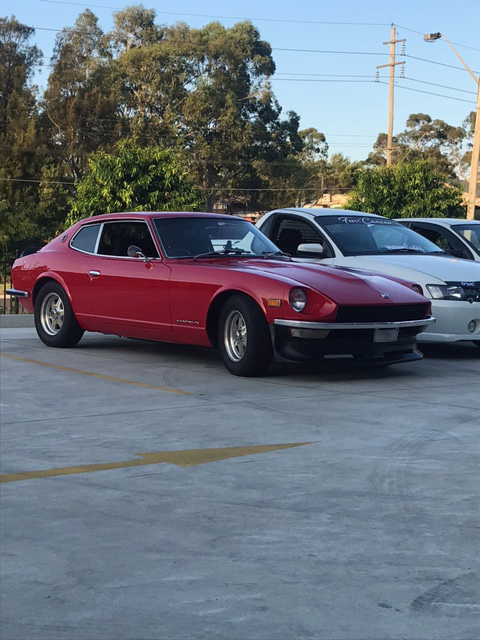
(203, 96)
(425, 139)
(133, 179)
(407, 190)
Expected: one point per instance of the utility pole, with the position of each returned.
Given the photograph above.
(472, 186)
(392, 64)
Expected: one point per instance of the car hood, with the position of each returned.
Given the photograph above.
(340, 284)
(416, 268)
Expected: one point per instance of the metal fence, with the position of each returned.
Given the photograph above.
(8, 304)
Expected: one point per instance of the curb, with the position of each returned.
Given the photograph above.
(16, 321)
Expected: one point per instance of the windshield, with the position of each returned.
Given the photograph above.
(208, 237)
(358, 235)
(470, 232)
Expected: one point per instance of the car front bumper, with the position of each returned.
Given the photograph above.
(378, 342)
(453, 318)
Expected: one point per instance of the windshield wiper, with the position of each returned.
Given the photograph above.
(405, 250)
(272, 254)
(223, 252)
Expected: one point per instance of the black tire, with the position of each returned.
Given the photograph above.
(252, 354)
(477, 343)
(55, 321)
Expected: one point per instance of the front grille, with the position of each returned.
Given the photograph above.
(472, 289)
(382, 313)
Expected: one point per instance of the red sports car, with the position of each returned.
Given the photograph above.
(213, 280)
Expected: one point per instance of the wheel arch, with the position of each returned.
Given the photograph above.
(43, 279)
(213, 314)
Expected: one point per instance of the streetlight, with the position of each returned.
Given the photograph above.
(472, 186)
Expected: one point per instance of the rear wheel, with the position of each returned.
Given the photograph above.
(244, 337)
(55, 321)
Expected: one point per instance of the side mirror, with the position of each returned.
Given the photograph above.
(135, 252)
(311, 250)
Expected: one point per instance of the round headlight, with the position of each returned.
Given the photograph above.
(417, 288)
(297, 299)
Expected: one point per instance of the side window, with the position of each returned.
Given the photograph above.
(444, 240)
(434, 236)
(118, 236)
(291, 232)
(86, 238)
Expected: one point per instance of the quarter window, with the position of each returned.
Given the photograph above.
(86, 238)
(118, 236)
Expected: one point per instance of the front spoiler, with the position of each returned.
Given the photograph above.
(302, 341)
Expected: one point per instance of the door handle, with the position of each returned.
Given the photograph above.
(94, 273)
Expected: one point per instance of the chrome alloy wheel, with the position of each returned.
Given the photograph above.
(52, 313)
(235, 335)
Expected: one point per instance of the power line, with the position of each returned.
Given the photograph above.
(440, 64)
(323, 75)
(319, 80)
(279, 20)
(332, 77)
(440, 95)
(34, 181)
(204, 15)
(349, 53)
(434, 84)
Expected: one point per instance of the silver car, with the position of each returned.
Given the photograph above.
(366, 241)
(460, 238)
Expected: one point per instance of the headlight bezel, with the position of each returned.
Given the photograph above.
(297, 299)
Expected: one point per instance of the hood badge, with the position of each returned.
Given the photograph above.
(385, 295)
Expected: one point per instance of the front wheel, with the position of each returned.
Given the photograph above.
(55, 321)
(244, 337)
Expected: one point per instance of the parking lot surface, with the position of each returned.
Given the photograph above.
(147, 493)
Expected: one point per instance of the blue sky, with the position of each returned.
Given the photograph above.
(352, 113)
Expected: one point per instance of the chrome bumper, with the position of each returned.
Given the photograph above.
(17, 293)
(330, 326)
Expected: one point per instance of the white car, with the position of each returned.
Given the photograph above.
(460, 238)
(367, 241)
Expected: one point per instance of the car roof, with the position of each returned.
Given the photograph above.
(156, 214)
(445, 222)
(326, 212)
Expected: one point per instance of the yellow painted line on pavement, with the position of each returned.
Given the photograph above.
(133, 383)
(188, 458)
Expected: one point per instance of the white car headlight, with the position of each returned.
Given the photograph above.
(297, 299)
(446, 292)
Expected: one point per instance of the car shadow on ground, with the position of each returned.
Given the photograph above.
(457, 351)
(181, 355)
(188, 356)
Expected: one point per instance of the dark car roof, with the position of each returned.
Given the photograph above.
(328, 212)
(155, 214)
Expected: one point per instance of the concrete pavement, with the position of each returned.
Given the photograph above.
(367, 530)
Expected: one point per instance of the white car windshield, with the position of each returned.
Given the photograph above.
(358, 235)
(471, 233)
(206, 237)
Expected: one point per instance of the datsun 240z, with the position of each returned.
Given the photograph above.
(213, 280)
